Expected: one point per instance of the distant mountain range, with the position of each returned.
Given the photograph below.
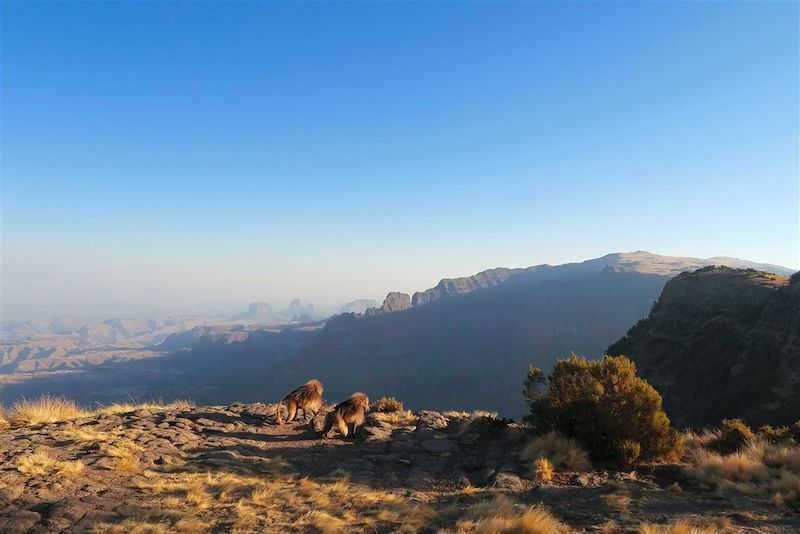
(467, 342)
(464, 344)
(722, 343)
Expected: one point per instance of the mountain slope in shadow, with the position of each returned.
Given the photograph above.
(722, 343)
(467, 343)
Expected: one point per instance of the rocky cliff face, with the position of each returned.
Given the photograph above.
(394, 301)
(466, 284)
(722, 342)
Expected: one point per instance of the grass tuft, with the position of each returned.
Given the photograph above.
(387, 404)
(679, 527)
(40, 463)
(396, 418)
(119, 408)
(564, 453)
(759, 469)
(543, 470)
(45, 409)
(502, 516)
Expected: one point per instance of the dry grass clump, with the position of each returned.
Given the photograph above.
(119, 408)
(387, 404)
(480, 422)
(41, 463)
(732, 435)
(619, 502)
(3, 421)
(153, 523)
(396, 418)
(564, 453)
(679, 527)
(48, 409)
(116, 444)
(781, 435)
(543, 470)
(502, 516)
(45, 409)
(290, 504)
(758, 469)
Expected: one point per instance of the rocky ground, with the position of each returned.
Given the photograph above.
(224, 469)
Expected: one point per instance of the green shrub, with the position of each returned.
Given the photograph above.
(628, 451)
(610, 411)
(732, 435)
(387, 404)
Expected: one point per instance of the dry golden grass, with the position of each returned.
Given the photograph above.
(153, 523)
(618, 502)
(679, 527)
(45, 409)
(543, 470)
(84, 435)
(41, 463)
(455, 414)
(693, 441)
(114, 444)
(128, 464)
(758, 469)
(290, 504)
(3, 421)
(119, 408)
(564, 453)
(502, 516)
(387, 404)
(397, 418)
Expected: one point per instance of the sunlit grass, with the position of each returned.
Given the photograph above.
(563, 453)
(119, 408)
(41, 463)
(45, 409)
(48, 409)
(679, 527)
(396, 418)
(502, 516)
(758, 469)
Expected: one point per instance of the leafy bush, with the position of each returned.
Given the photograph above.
(733, 434)
(610, 411)
(387, 404)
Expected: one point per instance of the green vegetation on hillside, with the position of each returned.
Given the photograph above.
(605, 406)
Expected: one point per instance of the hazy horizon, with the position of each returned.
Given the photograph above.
(186, 157)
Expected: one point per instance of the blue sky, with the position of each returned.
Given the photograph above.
(184, 155)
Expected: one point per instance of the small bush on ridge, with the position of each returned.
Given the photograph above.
(609, 410)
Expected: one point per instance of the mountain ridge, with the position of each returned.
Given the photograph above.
(722, 343)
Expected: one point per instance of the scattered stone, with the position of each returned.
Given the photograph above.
(18, 521)
(428, 419)
(509, 481)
